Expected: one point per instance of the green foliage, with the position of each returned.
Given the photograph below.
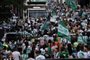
(6, 5)
(16, 3)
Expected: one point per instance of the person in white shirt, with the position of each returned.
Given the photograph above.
(88, 53)
(81, 53)
(39, 56)
(16, 55)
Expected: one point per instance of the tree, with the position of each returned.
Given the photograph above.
(6, 6)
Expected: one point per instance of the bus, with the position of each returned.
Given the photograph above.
(36, 8)
(37, 12)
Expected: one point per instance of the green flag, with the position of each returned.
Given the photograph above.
(53, 12)
(45, 26)
(63, 30)
(82, 39)
(72, 4)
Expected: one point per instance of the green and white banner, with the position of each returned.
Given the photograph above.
(63, 31)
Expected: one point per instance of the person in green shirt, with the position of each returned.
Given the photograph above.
(24, 55)
(63, 53)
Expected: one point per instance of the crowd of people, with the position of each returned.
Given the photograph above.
(45, 43)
